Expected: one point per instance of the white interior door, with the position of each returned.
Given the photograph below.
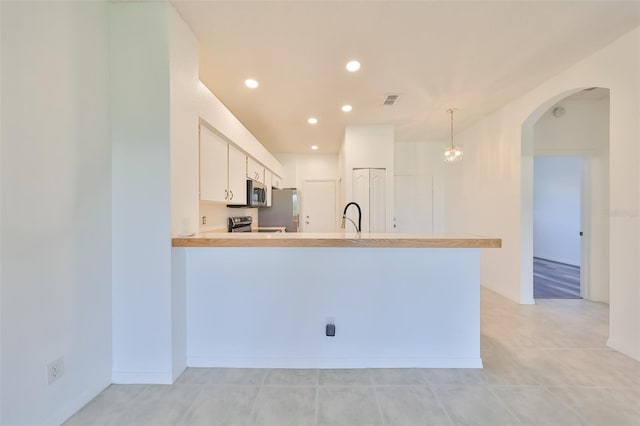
(319, 206)
(360, 196)
(413, 204)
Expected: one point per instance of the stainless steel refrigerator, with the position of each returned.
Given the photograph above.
(283, 211)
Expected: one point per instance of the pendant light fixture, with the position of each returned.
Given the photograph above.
(452, 153)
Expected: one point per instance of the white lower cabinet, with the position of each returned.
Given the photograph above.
(222, 170)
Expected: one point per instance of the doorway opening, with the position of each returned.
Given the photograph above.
(565, 197)
(557, 208)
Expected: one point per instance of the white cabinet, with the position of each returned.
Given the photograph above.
(255, 170)
(237, 179)
(276, 181)
(222, 170)
(213, 166)
(369, 191)
(268, 176)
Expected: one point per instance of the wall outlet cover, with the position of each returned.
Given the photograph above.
(55, 370)
(330, 330)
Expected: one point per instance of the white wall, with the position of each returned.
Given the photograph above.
(368, 146)
(184, 88)
(1, 138)
(584, 131)
(300, 167)
(557, 209)
(583, 128)
(419, 187)
(140, 116)
(395, 308)
(56, 208)
(491, 190)
(184, 128)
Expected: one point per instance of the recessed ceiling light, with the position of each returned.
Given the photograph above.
(251, 83)
(346, 108)
(312, 120)
(314, 147)
(353, 66)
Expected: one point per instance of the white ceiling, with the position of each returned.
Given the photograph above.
(475, 56)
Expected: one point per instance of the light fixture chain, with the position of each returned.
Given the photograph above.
(451, 111)
(452, 153)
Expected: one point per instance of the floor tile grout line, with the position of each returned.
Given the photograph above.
(441, 404)
(130, 402)
(562, 403)
(254, 405)
(505, 405)
(378, 406)
(317, 404)
(183, 419)
(370, 377)
(568, 348)
(317, 395)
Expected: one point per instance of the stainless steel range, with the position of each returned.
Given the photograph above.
(244, 224)
(239, 224)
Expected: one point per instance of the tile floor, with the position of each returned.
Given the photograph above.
(545, 364)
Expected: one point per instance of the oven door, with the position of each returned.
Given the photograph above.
(256, 194)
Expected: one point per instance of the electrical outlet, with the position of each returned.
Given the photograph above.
(330, 327)
(55, 370)
(204, 220)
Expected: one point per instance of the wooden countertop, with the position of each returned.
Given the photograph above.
(337, 239)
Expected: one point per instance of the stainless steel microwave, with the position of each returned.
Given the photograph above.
(256, 194)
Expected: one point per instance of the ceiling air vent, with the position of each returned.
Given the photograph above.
(390, 100)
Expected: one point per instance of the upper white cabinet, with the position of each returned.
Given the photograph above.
(222, 170)
(213, 166)
(255, 170)
(237, 178)
(276, 181)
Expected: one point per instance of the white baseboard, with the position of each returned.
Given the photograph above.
(142, 377)
(256, 362)
(76, 403)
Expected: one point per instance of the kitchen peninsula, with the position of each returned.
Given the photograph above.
(396, 300)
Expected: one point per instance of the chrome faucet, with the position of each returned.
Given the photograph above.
(344, 216)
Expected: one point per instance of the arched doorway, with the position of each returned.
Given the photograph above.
(570, 133)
